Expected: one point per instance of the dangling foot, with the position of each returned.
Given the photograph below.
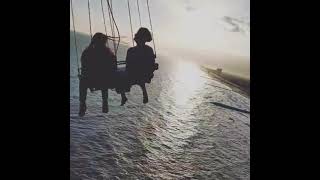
(145, 99)
(123, 100)
(105, 107)
(82, 110)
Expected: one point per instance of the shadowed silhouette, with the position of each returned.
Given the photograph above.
(140, 64)
(98, 71)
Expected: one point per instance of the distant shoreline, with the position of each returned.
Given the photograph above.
(238, 84)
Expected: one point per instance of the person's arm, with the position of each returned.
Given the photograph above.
(128, 59)
(153, 65)
(113, 60)
(84, 64)
(153, 60)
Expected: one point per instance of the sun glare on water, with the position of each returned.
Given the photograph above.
(187, 82)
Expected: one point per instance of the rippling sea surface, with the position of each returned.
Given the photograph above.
(179, 134)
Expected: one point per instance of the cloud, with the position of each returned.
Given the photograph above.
(237, 25)
(188, 5)
(190, 8)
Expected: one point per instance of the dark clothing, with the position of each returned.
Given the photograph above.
(83, 93)
(98, 67)
(140, 63)
(98, 71)
(122, 81)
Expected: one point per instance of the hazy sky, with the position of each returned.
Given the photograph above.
(199, 25)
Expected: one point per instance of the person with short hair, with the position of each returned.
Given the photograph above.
(140, 63)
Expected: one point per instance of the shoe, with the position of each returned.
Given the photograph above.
(123, 101)
(145, 100)
(82, 109)
(105, 107)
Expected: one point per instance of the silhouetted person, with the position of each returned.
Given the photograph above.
(140, 63)
(98, 67)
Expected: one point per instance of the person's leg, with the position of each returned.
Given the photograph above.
(124, 99)
(123, 86)
(105, 106)
(144, 92)
(82, 98)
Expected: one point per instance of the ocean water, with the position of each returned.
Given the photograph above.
(179, 134)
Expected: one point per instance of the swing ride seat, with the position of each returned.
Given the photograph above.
(122, 81)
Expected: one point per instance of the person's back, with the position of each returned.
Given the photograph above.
(98, 67)
(139, 63)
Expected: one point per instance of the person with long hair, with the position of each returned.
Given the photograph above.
(98, 71)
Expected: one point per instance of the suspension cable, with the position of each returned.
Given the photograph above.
(139, 12)
(75, 38)
(89, 18)
(111, 25)
(154, 46)
(115, 24)
(104, 22)
(130, 22)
